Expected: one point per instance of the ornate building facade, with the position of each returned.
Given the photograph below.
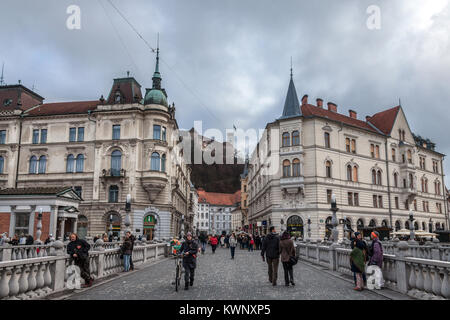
(104, 149)
(377, 168)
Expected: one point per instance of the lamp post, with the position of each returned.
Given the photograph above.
(430, 226)
(334, 221)
(127, 210)
(411, 227)
(39, 227)
(110, 227)
(345, 227)
(182, 227)
(309, 227)
(282, 223)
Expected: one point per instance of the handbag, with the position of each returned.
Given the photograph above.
(293, 260)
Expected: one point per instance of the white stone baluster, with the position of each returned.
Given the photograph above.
(13, 254)
(23, 282)
(445, 289)
(47, 278)
(14, 283)
(419, 281)
(32, 281)
(19, 254)
(427, 281)
(412, 276)
(40, 279)
(437, 282)
(4, 282)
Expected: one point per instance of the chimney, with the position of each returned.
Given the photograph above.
(353, 114)
(305, 99)
(319, 103)
(332, 107)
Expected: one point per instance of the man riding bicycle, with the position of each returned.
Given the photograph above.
(189, 251)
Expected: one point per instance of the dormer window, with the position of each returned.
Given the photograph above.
(118, 97)
(7, 102)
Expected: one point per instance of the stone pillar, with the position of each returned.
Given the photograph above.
(400, 249)
(62, 225)
(31, 221)
(59, 267)
(435, 255)
(53, 220)
(101, 258)
(74, 225)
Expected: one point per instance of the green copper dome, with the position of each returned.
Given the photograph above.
(155, 96)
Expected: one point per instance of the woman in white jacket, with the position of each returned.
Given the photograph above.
(233, 243)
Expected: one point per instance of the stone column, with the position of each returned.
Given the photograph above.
(74, 225)
(62, 225)
(401, 247)
(58, 269)
(31, 221)
(53, 220)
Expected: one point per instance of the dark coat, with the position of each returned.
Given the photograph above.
(287, 249)
(376, 253)
(29, 241)
(271, 246)
(191, 247)
(127, 247)
(82, 252)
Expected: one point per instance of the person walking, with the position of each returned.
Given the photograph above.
(233, 242)
(227, 241)
(358, 238)
(126, 250)
(271, 252)
(357, 263)
(251, 243)
(189, 248)
(133, 239)
(222, 241)
(376, 257)
(287, 251)
(78, 250)
(203, 240)
(258, 242)
(213, 241)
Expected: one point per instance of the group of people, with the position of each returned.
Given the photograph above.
(364, 257)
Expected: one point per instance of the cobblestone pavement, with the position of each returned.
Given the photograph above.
(220, 278)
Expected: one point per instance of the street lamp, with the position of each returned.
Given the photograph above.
(127, 210)
(430, 225)
(411, 226)
(110, 227)
(334, 220)
(39, 227)
(345, 228)
(309, 227)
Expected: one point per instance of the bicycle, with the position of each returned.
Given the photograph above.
(179, 270)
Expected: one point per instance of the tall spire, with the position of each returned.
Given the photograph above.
(156, 75)
(2, 82)
(291, 105)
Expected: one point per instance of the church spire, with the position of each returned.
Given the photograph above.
(156, 75)
(291, 105)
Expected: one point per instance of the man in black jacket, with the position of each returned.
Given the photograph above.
(271, 249)
(78, 249)
(189, 248)
(133, 239)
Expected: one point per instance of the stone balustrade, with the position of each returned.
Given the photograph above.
(37, 277)
(422, 278)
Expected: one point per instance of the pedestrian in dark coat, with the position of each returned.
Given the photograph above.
(29, 240)
(78, 250)
(358, 238)
(133, 239)
(203, 240)
(189, 248)
(376, 250)
(126, 250)
(287, 250)
(357, 263)
(271, 250)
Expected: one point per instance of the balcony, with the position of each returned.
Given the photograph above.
(153, 183)
(292, 150)
(113, 174)
(292, 184)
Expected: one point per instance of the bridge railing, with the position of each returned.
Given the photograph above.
(422, 278)
(37, 277)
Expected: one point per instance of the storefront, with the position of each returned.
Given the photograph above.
(295, 226)
(149, 227)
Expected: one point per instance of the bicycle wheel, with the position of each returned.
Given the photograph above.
(177, 278)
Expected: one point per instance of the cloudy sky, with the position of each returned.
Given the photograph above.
(227, 62)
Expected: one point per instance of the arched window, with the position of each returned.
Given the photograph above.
(426, 185)
(384, 223)
(416, 226)
(286, 139)
(286, 168)
(349, 173)
(424, 227)
(33, 165)
(69, 165)
(296, 168)
(360, 224)
(2, 164)
(379, 177)
(355, 174)
(396, 179)
(438, 188)
(407, 225)
(42, 164)
(328, 169)
(155, 162)
(397, 225)
(118, 97)
(374, 176)
(116, 163)
(163, 163)
(372, 223)
(80, 163)
(411, 181)
(113, 194)
(295, 138)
